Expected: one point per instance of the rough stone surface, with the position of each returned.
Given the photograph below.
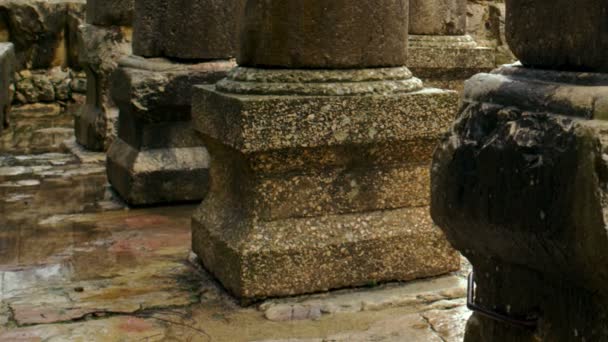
(486, 24)
(42, 31)
(38, 128)
(110, 12)
(561, 34)
(524, 171)
(157, 157)
(186, 29)
(438, 17)
(7, 66)
(100, 50)
(302, 195)
(294, 34)
(447, 61)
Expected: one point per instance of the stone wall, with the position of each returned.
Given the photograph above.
(49, 80)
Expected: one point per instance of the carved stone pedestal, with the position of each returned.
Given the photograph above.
(157, 157)
(319, 179)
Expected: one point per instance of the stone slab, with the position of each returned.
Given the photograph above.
(7, 68)
(259, 259)
(186, 29)
(446, 62)
(110, 12)
(265, 123)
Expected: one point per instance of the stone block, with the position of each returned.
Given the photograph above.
(559, 34)
(186, 29)
(110, 12)
(100, 49)
(524, 171)
(272, 36)
(447, 61)
(438, 17)
(157, 158)
(310, 193)
(7, 69)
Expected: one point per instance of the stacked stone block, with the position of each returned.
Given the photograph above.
(320, 146)
(519, 184)
(157, 157)
(441, 52)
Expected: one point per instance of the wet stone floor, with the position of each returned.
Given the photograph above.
(101, 272)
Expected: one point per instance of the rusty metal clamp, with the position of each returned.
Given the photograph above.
(529, 323)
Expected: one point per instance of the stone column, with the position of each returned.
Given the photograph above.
(519, 184)
(320, 143)
(157, 157)
(103, 40)
(441, 52)
(7, 70)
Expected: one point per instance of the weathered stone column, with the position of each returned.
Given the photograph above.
(157, 158)
(103, 40)
(320, 147)
(7, 69)
(441, 52)
(520, 183)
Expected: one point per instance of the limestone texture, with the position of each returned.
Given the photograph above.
(447, 61)
(271, 36)
(101, 47)
(7, 66)
(110, 12)
(186, 29)
(303, 189)
(157, 157)
(524, 172)
(438, 17)
(564, 35)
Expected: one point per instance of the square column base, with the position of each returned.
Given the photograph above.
(157, 157)
(311, 193)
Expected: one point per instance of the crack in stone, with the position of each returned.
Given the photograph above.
(432, 327)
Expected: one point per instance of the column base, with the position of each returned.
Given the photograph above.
(447, 61)
(312, 190)
(156, 176)
(257, 259)
(157, 157)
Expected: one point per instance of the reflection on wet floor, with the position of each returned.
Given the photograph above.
(127, 275)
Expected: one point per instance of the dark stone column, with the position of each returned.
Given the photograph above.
(519, 184)
(157, 157)
(320, 144)
(441, 52)
(7, 68)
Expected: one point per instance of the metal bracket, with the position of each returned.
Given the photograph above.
(529, 323)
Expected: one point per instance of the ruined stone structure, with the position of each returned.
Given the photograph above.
(519, 184)
(157, 157)
(103, 40)
(441, 51)
(320, 147)
(7, 68)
